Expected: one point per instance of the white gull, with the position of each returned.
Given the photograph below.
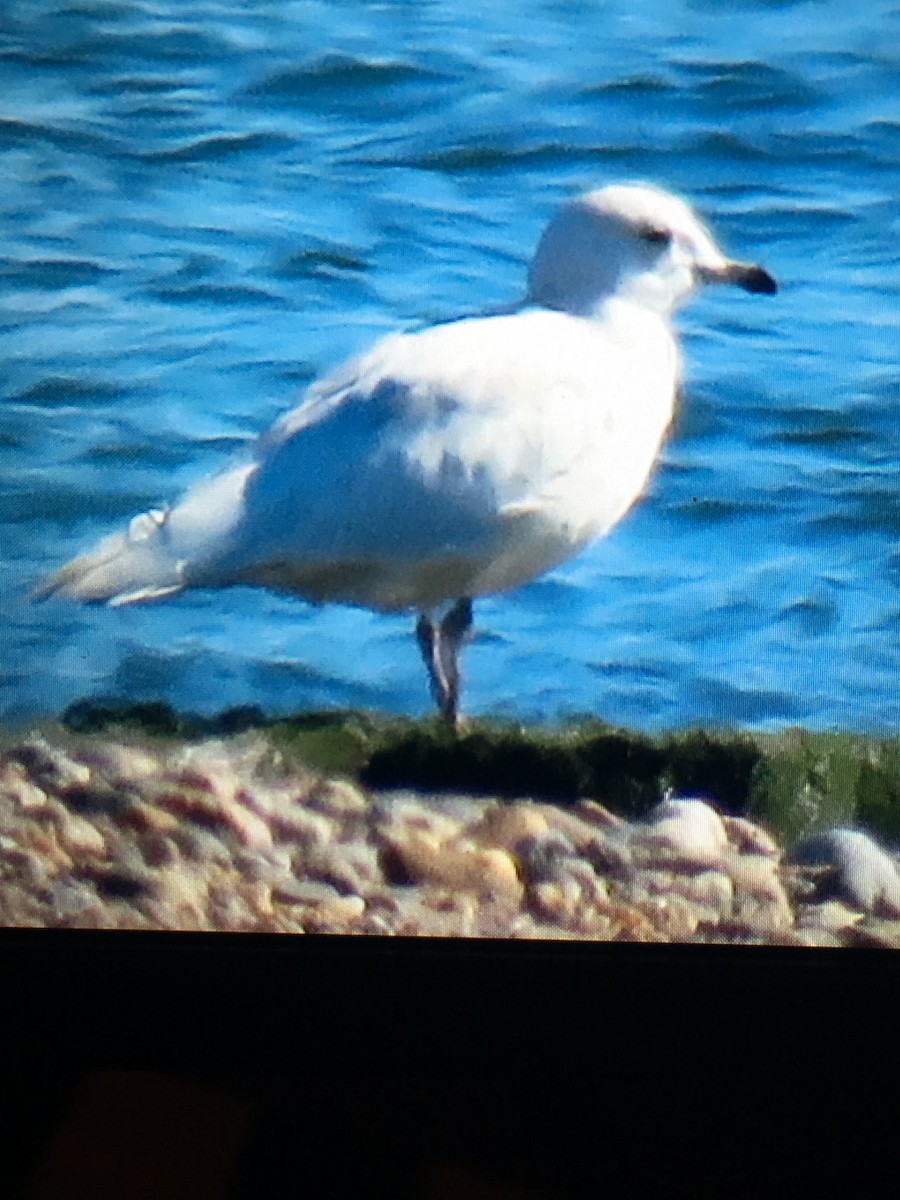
(457, 461)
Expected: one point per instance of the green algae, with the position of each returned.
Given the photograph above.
(795, 781)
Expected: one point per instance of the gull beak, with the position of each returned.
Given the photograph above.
(749, 276)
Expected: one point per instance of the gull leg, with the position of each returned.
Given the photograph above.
(440, 643)
(426, 635)
(453, 629)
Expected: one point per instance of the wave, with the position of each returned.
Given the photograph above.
(338, 77)
(219, 146)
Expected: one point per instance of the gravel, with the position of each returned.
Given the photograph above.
(99, 831)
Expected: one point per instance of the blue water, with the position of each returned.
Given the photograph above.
(203, 205)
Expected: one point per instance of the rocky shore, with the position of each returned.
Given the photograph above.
(119, 830)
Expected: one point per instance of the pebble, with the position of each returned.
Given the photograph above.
(464, 865)
(673, 916)
(596, 814)
(556, 900)
(832, 916)
(304, 892)
(508, 825)
(74, 903)
(756, 875)
(859, 871)
(748, 838)
(342, 909)
(16, 786)
(404, 815)
(49, 765)
(689, 830)
(148, 818)
(610, 859)
(813, 938)
(762, 916)
(199, 806)
(544, 859)
(119, 762)
(575, 827)
(252, 831)
(296, 824)
(181, 899)
(711, 890)
(349, 868)
(339, 799)
(882, 935)
(76, 834)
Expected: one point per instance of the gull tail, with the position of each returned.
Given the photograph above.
(126, 568)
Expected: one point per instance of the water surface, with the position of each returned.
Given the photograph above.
(202, 206)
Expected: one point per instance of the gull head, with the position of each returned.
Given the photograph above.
(633, 242)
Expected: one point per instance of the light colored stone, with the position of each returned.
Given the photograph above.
(542, 860)
(594, 888)
(183, 898)
(42, 840)
(630, 924)
(415, 817)
(227, 909)
(596, 814)
(574, 826)
(148, 818)
(257, 895)
(754, 874)
(609, 857)
(71, 900)
(652, 882)
(250, 828)
(376, 924)
(47, 763)
(595, 925)
(31, 870)
(16, 786)
(555, 900)
(865, 875)
(198, 807)
(506, 825)
(339, 799)
(225, 763)
(710, 889)
(343, 909)
(832, 916)
(812, 938)
(76, 835)
(749, 838)
(340, 916)
(298, 824)
(688, 829)
(883, 935)
(464, 865)
(119, 762)
(762, 916)
(672, 916)
(202, 847)
(348, 867)
(304, 891)
(417, 919)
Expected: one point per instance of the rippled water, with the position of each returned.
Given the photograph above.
(204, 205)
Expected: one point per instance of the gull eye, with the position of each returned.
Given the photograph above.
(655, 235)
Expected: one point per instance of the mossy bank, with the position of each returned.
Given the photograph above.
(139, 817)
(794, 782)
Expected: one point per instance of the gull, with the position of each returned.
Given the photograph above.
(457, 461)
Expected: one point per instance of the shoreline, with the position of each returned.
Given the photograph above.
(259, 829)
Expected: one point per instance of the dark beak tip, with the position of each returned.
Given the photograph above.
(758, 280)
